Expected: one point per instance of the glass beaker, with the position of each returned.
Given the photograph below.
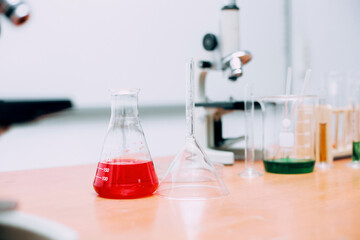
(126, 169)
(289, 133)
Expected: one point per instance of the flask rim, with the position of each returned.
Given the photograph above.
(120, 91)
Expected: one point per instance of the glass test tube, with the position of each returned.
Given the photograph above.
(355, 160)
(324, 143)
(322, 128)
(356, 132)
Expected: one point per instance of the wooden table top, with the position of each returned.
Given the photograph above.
(319, 205)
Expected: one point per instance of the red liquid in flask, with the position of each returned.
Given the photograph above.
(125, 178)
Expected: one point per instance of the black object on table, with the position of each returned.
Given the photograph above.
(21, 111)
(238, 105)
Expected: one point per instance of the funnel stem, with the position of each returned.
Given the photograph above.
(190, 99)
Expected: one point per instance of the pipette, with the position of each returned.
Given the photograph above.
(302, 94)
(286, 138)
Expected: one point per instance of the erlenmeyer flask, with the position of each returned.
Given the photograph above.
(125, 169)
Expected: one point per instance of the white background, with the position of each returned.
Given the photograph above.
(326, 38)
(79, 49)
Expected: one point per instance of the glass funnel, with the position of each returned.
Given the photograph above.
(289, 134)
(191, 174)
(125, 169)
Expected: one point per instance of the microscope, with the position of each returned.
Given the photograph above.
(16, 11)
(219, 53)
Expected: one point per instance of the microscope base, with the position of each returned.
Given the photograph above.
(218, 156)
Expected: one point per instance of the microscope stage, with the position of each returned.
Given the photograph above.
(239, 105)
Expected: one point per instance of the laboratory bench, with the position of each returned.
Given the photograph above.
(318, 205)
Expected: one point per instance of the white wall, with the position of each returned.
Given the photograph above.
(81, 48)
(326, 37)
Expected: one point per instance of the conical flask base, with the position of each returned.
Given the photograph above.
(191, 175)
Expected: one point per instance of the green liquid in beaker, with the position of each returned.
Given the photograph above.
(289, 165)
(356, 151)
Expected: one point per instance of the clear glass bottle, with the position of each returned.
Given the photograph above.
(125, 169)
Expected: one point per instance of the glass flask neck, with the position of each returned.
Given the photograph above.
(124, 105)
